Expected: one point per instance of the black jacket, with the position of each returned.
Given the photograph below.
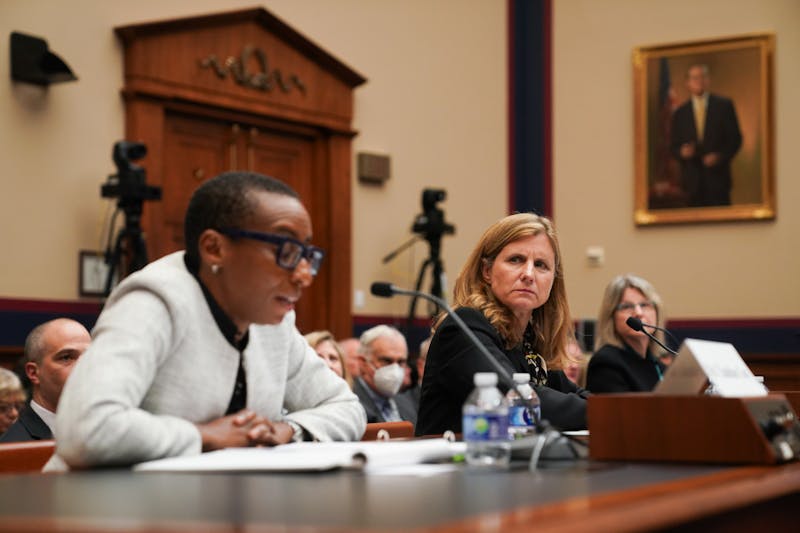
(29, 426)
(614, 369)
(452, 362)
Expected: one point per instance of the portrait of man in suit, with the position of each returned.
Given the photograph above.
(705, 139)
(703, 116)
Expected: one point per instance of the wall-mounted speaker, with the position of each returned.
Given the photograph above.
(33, 62)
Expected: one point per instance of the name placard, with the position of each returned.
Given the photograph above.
(709, 365)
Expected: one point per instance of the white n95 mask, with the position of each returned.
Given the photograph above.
(388, 379)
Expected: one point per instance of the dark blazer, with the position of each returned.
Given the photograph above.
(29, 426)
(614, 369)
(452, 362)
(405, 404)
(707, 185)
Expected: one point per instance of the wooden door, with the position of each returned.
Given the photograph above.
(245, 90)
(199, 148)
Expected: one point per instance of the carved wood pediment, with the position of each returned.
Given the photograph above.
(247, 60)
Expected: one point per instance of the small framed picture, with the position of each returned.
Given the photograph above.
(92, 274)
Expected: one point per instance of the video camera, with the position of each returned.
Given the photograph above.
(129, 183)
(430, 224)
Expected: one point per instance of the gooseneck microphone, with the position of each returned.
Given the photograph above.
(637, 325)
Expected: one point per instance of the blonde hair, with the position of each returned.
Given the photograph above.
(605, 331)
(10, 385)
(315, 338)
(551, 323)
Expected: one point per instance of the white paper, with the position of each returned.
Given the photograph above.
(310, 456)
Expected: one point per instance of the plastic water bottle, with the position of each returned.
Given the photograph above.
(485, 424)
(521, 420)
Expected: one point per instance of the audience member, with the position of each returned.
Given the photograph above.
(352, 361)
(415, 391)
(51, 351)
(199, 351)
(12, 398)
(575, 363)
(512, 295)
(384, 356)
(624, 360)
(330, 352)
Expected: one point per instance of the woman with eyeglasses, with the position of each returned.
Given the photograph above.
(511, 294)
(12, 399)
(625, 359)
(199, 351)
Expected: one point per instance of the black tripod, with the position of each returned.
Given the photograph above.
(130, 251)
(130, 187)
(433, 262)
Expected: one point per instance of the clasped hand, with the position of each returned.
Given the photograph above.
(244, 428)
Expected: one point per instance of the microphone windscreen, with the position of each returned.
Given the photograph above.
(382, 289)
(634, 323)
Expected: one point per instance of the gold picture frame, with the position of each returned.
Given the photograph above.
(675, 181)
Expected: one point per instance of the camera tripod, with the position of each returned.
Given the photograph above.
(129, 253)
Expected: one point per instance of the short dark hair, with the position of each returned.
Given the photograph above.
(224, 202)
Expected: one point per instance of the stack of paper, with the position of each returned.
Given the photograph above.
(310, 456)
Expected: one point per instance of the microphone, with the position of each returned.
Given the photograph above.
(637, 325)
(387, 290)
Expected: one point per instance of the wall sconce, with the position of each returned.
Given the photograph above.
(32, 62)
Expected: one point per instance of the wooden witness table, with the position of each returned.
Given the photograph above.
(585, 496)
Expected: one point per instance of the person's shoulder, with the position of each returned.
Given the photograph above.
(168, 274)
(608, 353)
(17, 432)
(714, 98)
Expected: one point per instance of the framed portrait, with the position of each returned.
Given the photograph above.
(703, 131)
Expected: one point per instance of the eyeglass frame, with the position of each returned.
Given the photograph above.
(631, 307)
(308, 252)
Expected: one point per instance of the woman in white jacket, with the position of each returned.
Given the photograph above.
(199, 351)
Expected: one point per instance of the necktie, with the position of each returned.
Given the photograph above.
(700, 118)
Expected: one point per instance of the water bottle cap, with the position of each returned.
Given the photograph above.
(521, 377)
(485, 379)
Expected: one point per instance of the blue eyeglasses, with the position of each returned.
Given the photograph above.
(290, 251)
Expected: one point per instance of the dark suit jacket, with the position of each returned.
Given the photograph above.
(707, 185)
(29, 426)
(614, 369)
(405, 405)
(452, 362)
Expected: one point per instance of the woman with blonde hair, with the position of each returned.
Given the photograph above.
(329, 350)
(625, 360)
(12, 399)
(511, 294)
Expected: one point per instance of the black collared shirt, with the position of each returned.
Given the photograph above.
(230, 332)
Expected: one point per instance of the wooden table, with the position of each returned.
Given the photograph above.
(583, 496)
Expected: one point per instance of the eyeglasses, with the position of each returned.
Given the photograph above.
(628, 307)
(7, 407)
(290, 251)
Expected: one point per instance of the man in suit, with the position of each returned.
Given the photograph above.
(51, 351)
(705, 138)
(383, 354)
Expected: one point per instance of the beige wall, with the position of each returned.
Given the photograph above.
(716, 270)
(435, 102)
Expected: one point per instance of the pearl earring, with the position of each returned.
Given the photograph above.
(214, 269)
